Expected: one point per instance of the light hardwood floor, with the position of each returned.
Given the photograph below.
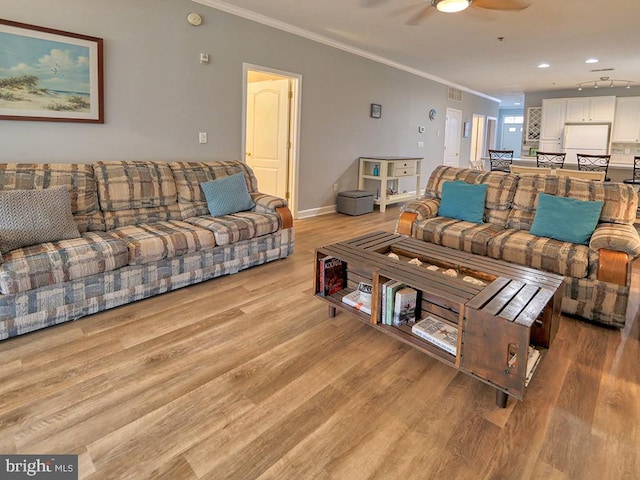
(246, 377)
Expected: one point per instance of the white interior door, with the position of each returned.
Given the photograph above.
(452, 137)
(267, 134)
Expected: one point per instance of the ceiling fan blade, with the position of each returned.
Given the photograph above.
(422, 15)
(500, 4)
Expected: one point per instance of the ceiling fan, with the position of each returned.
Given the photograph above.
(452, 6)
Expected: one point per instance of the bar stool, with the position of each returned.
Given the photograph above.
(594, 163)
(501, 160)
(550, 159)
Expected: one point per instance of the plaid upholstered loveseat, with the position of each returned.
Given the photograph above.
(597, 276)
(143, 228)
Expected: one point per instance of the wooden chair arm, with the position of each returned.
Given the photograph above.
(613, 267)
(286, 219)
(405, 223)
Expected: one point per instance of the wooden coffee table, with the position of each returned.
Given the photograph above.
(496, 322)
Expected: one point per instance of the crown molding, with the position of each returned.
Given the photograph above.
(272, 22)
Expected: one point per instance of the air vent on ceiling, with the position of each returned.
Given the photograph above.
(603, 70)
(455, 95)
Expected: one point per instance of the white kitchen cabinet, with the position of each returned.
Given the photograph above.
(552, 124)
(534, 115)
(626, 123)
(590, 109)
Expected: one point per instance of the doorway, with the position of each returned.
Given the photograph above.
(271, 117)
(490, 139)
(452, 137)
(477, 140)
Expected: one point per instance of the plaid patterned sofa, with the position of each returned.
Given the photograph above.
(597, 277)
(145, 229)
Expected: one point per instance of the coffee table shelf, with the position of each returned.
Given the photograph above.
(514, 308)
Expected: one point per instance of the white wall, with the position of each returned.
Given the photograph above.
(158, 96)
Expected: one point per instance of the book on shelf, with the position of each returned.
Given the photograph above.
(333, 275)
(392, 288)
(358, 301)
(404, 310)
(437, 332)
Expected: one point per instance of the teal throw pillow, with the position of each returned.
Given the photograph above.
(463, 201)
(566, 219)
(227, 195)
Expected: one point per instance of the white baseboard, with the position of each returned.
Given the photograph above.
(315, 212)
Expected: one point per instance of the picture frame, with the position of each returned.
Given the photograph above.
(60, 76)
(376, 110)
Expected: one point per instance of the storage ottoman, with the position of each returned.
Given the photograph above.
(355, 202)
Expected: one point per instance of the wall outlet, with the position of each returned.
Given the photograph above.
(335, 187)
(420, 144)
(202, 137)
(204, 58)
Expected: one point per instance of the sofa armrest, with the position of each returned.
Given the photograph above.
(266, 203)
(618, 237)
(617, 247)
(414, 211)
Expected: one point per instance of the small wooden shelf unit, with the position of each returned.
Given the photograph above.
(518, 307)
(390, 171)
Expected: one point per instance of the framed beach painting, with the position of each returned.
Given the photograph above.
(49, 75)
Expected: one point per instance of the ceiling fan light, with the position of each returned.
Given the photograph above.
(452, 6)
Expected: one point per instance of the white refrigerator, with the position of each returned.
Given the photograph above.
(590, 139)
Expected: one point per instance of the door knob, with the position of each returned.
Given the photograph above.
(248, 154)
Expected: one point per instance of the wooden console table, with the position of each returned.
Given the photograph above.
(496, 322)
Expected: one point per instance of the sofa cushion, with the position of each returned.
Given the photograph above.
(189, 175)
(523, 248)
(239, 226)
(150, 242)
(463, 201)
(565, 219)
(227, 195)
(500, 191)
(78, 178)
(526, 198)
(30, 217)
(136, 192)
(55, 262)
(466, 236)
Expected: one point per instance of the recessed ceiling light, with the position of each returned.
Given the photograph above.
(544, 65)
(592, 60)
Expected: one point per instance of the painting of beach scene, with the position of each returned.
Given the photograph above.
(49, 75)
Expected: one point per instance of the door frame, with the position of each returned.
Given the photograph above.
(294, 126)
(491, 135)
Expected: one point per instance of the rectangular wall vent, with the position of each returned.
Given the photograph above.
(455, 95)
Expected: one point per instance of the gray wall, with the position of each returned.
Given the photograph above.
(158, 97)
